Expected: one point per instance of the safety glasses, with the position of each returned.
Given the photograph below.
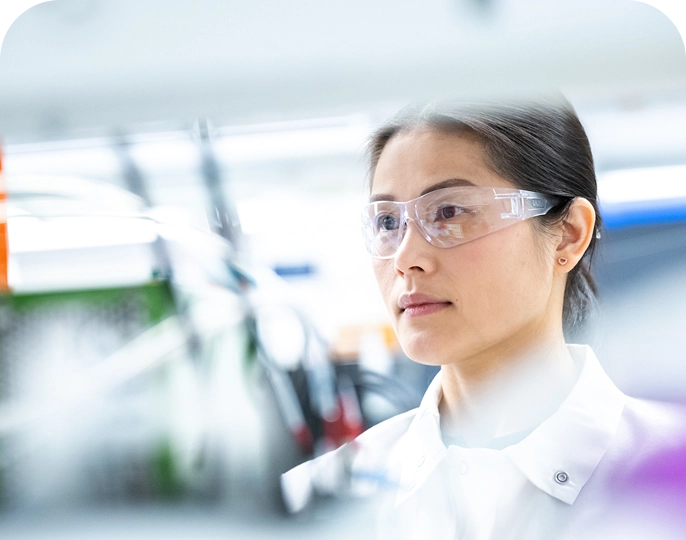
(450, 216)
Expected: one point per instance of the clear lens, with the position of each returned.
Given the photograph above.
(448, 217)
(454, 216)
(383, 224)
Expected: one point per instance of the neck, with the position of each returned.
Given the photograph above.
(514, 391)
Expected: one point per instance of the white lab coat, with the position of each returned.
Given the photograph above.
(565, 479)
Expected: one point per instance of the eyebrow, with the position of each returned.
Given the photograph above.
(452, 182)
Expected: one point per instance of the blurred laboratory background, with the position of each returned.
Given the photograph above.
(188, 308)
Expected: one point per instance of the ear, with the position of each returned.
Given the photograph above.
(577, 233)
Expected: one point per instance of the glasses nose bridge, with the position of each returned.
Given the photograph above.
(408, 212)
(405, 218)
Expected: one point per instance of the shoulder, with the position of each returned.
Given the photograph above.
(385, 434)
(647, 430)
(358, 466)
(653, 422)
(650, 458)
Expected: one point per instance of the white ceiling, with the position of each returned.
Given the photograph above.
(71, 68)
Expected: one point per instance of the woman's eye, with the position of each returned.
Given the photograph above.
(449, 212)
(386, 222)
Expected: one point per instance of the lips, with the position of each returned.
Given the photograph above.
(414, 305)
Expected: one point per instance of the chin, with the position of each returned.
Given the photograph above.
(424, 349)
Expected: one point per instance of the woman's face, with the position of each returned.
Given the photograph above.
(492, 296)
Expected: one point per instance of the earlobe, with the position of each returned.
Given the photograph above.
(577, 233)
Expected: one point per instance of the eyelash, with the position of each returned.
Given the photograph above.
(381, 218)
(460, 210)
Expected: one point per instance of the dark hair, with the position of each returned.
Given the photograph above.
(539, 146)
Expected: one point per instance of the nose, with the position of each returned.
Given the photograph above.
(415, 253)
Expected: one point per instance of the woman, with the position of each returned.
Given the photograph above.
(481, 226)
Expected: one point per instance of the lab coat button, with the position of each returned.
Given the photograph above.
(561, 477)
(422, 460)
(463, 467)
(410, 486)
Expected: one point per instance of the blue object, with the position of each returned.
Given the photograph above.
(630, 214)
(294, 270)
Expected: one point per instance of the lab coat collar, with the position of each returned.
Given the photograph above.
(558, 457)
(574, 439)
(421, 449)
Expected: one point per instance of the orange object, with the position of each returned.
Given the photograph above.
(4, 246)
(346, 347)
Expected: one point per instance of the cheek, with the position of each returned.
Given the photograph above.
(472, 275)
(384, 272)
(497, 279)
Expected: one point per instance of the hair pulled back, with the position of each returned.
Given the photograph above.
(538, 146)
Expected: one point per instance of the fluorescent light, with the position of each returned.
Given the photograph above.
(33, 234)
(346, 139)
(645, 184)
